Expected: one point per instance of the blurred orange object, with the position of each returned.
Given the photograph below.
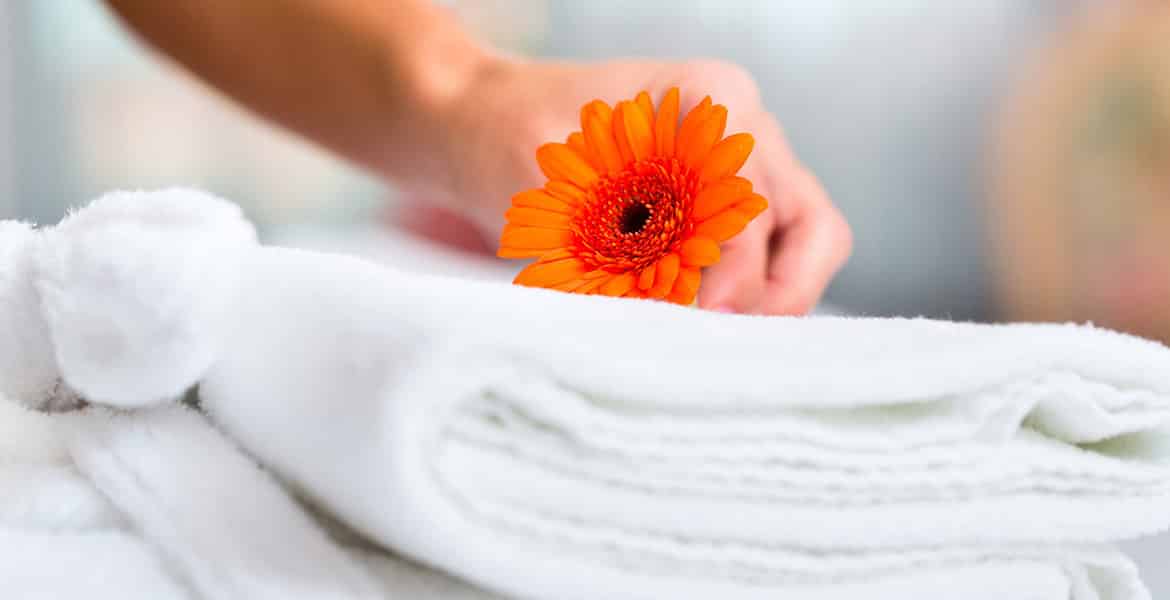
(1080, 195)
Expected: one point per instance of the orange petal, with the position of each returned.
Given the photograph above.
(560, 162)
(690, 123)
(566, 192)
(752, 205)
(646, 278)
(597, 129)
(664, 277)
(567, 286)
(723, 226)
(618, 285)
(665, 123)
(685, 287)
(746, 207)
(619, 131)
(557, 254)
(591, 284)
(719, 196)
(726, 157)
(535, 217)
(534, 238)
(699, 252)
(706, 134)
(540, 199)
(635, 293)
(646, 105)
(576, 141)
(547, 274)
(543, 255)
(635, 128)
(505, 252)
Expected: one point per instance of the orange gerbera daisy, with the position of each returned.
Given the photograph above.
(635, 204)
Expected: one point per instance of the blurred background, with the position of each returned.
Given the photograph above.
(998, 160)
(909, 111)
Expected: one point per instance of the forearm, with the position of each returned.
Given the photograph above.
(368, 79)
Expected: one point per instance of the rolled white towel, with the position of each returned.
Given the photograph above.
(29, 371)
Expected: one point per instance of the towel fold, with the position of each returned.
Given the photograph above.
(545, 445)
(224, 526)
(552, 446)
(59, 536)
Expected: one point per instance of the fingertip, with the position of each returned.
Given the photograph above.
(713, 297)
(789, 305)
(736, 282)
(812, 250)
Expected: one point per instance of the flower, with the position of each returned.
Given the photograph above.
(636, 203)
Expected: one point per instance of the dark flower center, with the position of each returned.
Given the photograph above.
(634, 218)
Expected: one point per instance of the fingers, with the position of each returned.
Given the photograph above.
(783, 264)
(736, 283)
(813, 242)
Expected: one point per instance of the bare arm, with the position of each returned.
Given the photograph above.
(399, 87)
(368, 79)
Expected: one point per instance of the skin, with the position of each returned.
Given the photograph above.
(401, 89)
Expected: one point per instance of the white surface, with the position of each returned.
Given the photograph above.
(459, 463)
(401, 251)
(703, 455)
(181, 514)
(1152, 556)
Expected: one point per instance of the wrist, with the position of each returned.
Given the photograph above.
(462, 110)
(423, 75)
(477, 126)
(442, 64)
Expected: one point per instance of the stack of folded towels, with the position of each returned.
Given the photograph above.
(542, 445)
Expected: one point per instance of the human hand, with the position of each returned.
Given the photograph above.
(780, 264)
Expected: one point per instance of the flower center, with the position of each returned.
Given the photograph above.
(634, 218)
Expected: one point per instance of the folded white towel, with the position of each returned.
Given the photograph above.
(551, 446)
(181, 514)
(59, 536)
(555, 446)
(229, 530)
(95, 566)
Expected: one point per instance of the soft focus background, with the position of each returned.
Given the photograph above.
(900, 107)
(997, 159)
(907, 109)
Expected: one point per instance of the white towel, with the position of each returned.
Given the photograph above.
(226, 528)
(554, 446)
(151, 504)
(156, 505)
(550, 446)
(59, 536)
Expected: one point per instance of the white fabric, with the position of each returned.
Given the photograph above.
(153, 504)
(157, 505)
(704, 455)
(226, 528)
(26, 353)
(59, 536)
(553, 446)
